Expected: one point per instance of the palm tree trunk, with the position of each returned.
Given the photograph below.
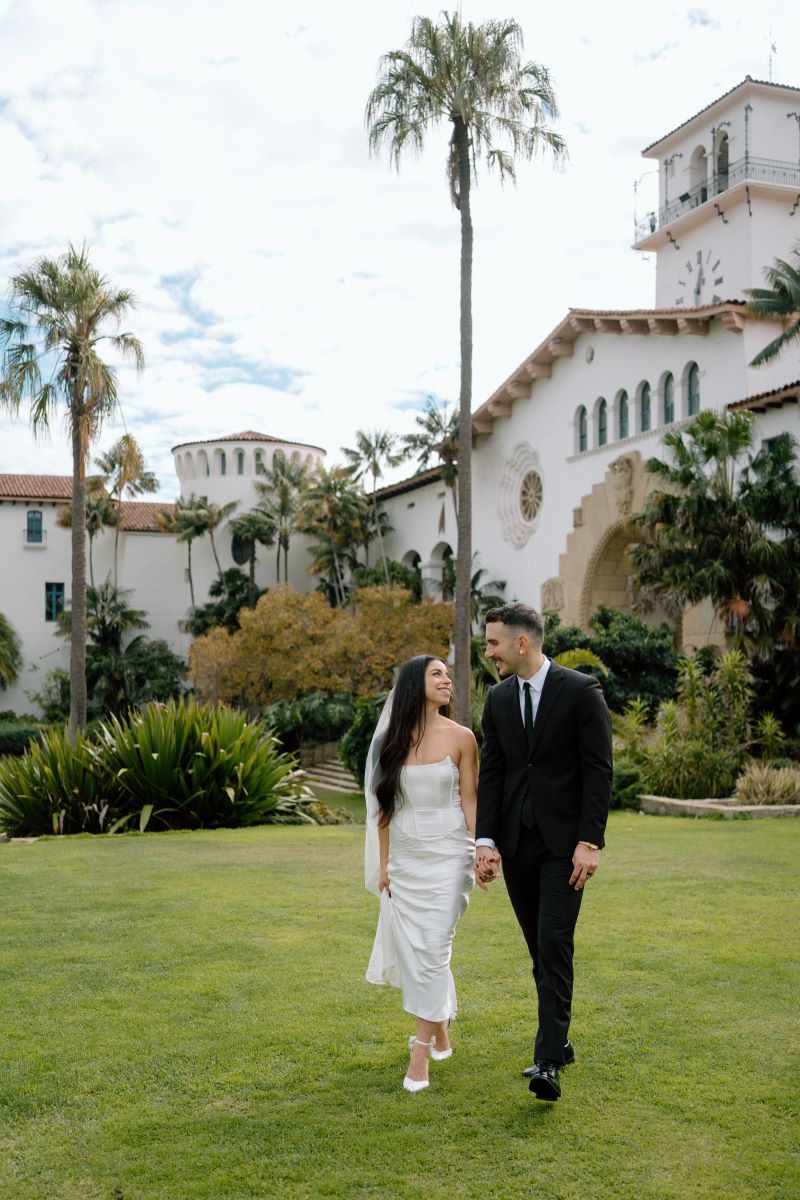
(77, 650)
(251, 599)
(286, 561)
(216, 557)
(91, 564)
(278, 569)
(189, 569)
(380, 536)
(116, 535)
(464, 521)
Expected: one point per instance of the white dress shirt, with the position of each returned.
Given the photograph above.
(537, 683)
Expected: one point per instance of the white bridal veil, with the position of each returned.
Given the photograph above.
(372, 861)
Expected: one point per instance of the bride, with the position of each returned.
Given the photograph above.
(421, 788)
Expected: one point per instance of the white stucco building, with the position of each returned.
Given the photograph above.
(559, 447)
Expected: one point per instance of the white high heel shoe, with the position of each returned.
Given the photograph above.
(416, 1085)
(439, 1055)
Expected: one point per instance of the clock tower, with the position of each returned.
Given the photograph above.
(729, 196)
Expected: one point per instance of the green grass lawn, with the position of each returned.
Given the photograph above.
(184, 1017)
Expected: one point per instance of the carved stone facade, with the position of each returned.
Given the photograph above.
(553, 595)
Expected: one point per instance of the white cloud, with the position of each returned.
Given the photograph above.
(216, 160)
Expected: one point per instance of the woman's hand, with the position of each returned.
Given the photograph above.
(383, 881)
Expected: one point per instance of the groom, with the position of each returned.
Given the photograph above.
(543, 793)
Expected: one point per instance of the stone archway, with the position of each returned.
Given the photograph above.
(593, 563)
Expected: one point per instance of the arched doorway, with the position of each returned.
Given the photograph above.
(608, 580)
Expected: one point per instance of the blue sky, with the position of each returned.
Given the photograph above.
(215, 159)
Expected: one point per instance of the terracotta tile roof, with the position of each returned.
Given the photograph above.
(36, 487)
(249, 435)
(785, 87)
(789, 393)
(141, 516)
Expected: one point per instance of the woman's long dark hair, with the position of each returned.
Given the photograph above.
(408, 715)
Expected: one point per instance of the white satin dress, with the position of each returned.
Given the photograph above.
(431, 875)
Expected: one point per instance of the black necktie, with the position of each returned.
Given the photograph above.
(527, 807)
(526, 688)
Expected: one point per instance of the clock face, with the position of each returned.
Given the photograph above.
(700, 280)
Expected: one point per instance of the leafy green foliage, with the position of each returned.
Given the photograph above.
(16, 736)
(781, 301)
(54, 787)
(399, 576)
(10, 653)
(640, 660)
(726, 528)
(701, 740)
(230, 593)
(178, 765)
(354, 746)
(317, 717)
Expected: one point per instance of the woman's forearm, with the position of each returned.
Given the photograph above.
(383, 845)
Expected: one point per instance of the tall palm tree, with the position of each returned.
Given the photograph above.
(10, 653)
(61, 310)
(437, 435)
(473, 77)
(780, 300)
(186, 521)
(216, 515)
(256, 527)
(126, 475)
(280, 490)
(331, 510)
(372, 452)
(101, 513)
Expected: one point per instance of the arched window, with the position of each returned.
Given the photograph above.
(723, 148)
(33, 530)
(240, 462)
(668, 399)
(698, 177)
(693, 390)
(259, 458)
(623, 419)
(583, 435)
(223, 463)
(645, 408)
(203, 467)
(240, 550)
(602, 423)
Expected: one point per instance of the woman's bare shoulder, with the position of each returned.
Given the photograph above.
(463, 737)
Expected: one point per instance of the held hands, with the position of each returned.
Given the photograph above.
(584, 862)
(487, 866)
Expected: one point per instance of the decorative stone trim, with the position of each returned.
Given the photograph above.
(516, 528)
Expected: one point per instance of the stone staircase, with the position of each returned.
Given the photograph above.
(332, 776)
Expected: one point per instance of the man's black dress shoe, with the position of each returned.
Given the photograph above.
(544, 1082)
(569, 1059)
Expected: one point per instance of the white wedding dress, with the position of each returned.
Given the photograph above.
(431, 875)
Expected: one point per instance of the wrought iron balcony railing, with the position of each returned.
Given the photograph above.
(747, 169)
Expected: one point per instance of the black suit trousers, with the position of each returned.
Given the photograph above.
(547, 910)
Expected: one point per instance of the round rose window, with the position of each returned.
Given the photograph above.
(530, 495)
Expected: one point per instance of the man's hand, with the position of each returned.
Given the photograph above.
(487, 865)
(584, 862)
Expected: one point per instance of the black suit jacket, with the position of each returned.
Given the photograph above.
(566, 773)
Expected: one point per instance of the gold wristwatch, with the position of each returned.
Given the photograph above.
(589, 845)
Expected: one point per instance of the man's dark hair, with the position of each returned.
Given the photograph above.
(519, 616)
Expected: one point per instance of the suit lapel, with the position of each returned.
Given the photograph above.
(510, 692)
(552, 686)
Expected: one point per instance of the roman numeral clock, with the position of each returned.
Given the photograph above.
(701, 280)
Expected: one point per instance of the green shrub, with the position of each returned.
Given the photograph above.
(16, 736)
(354, 746)
(760, 784)
(178, 765)
(184, 765)
(53, 788)
(317, 717)
(641, 661)
(626, 785)
(701, 740)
